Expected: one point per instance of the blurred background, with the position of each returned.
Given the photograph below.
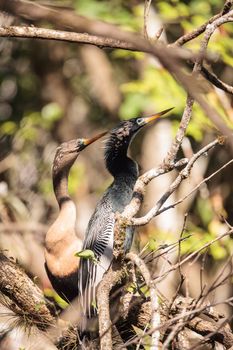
(52, 92)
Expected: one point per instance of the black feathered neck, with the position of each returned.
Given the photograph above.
(117, 161)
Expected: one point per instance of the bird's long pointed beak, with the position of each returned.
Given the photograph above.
(87, 142)
(156, 116)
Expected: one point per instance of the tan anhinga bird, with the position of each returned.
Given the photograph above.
(61, 242)
(100, 231)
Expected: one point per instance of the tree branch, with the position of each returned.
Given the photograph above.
(53, 34)
(30, 303)
(212, 78)
(184, 174)
(139, 189)
(198, 31)
(125, 40)
(195, 188)
(111, 278)
(192, 255)
(155, 313)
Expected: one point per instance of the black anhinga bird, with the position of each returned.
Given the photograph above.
(100, 231)
(61, 242)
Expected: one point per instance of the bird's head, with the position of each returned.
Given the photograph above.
(68, 151)
(135, 124)
(125, 131)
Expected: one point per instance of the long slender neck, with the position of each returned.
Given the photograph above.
(116, 159)
(61, 235)
(60, 186)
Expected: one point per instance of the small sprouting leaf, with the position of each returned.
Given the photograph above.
(50, 293)
(87, 254)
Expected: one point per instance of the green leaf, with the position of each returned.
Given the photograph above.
(50, 293)
(87, 254)
(145, 338)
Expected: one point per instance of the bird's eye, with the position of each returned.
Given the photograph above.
(140, 121)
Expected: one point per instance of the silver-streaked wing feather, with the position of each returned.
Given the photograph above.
(91, 273)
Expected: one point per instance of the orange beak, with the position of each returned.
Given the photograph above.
(156, 116)
(87, 142)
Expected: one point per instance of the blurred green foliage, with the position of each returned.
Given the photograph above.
(116, 11)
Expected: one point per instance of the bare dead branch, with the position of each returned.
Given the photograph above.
(220, 280)
(52, 34)
(212, 114)
(91, 39)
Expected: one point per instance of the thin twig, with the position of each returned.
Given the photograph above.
(172, 153)
(195, 188)
(198, 31)
(216, 81)
(211, 334)
(159, 33)
(168, 162)
(111, 278)
(175, 330)
(192, 255)
(182, 175)
(146, 15)
(190, 314)
(182, 278)
(155, 315)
